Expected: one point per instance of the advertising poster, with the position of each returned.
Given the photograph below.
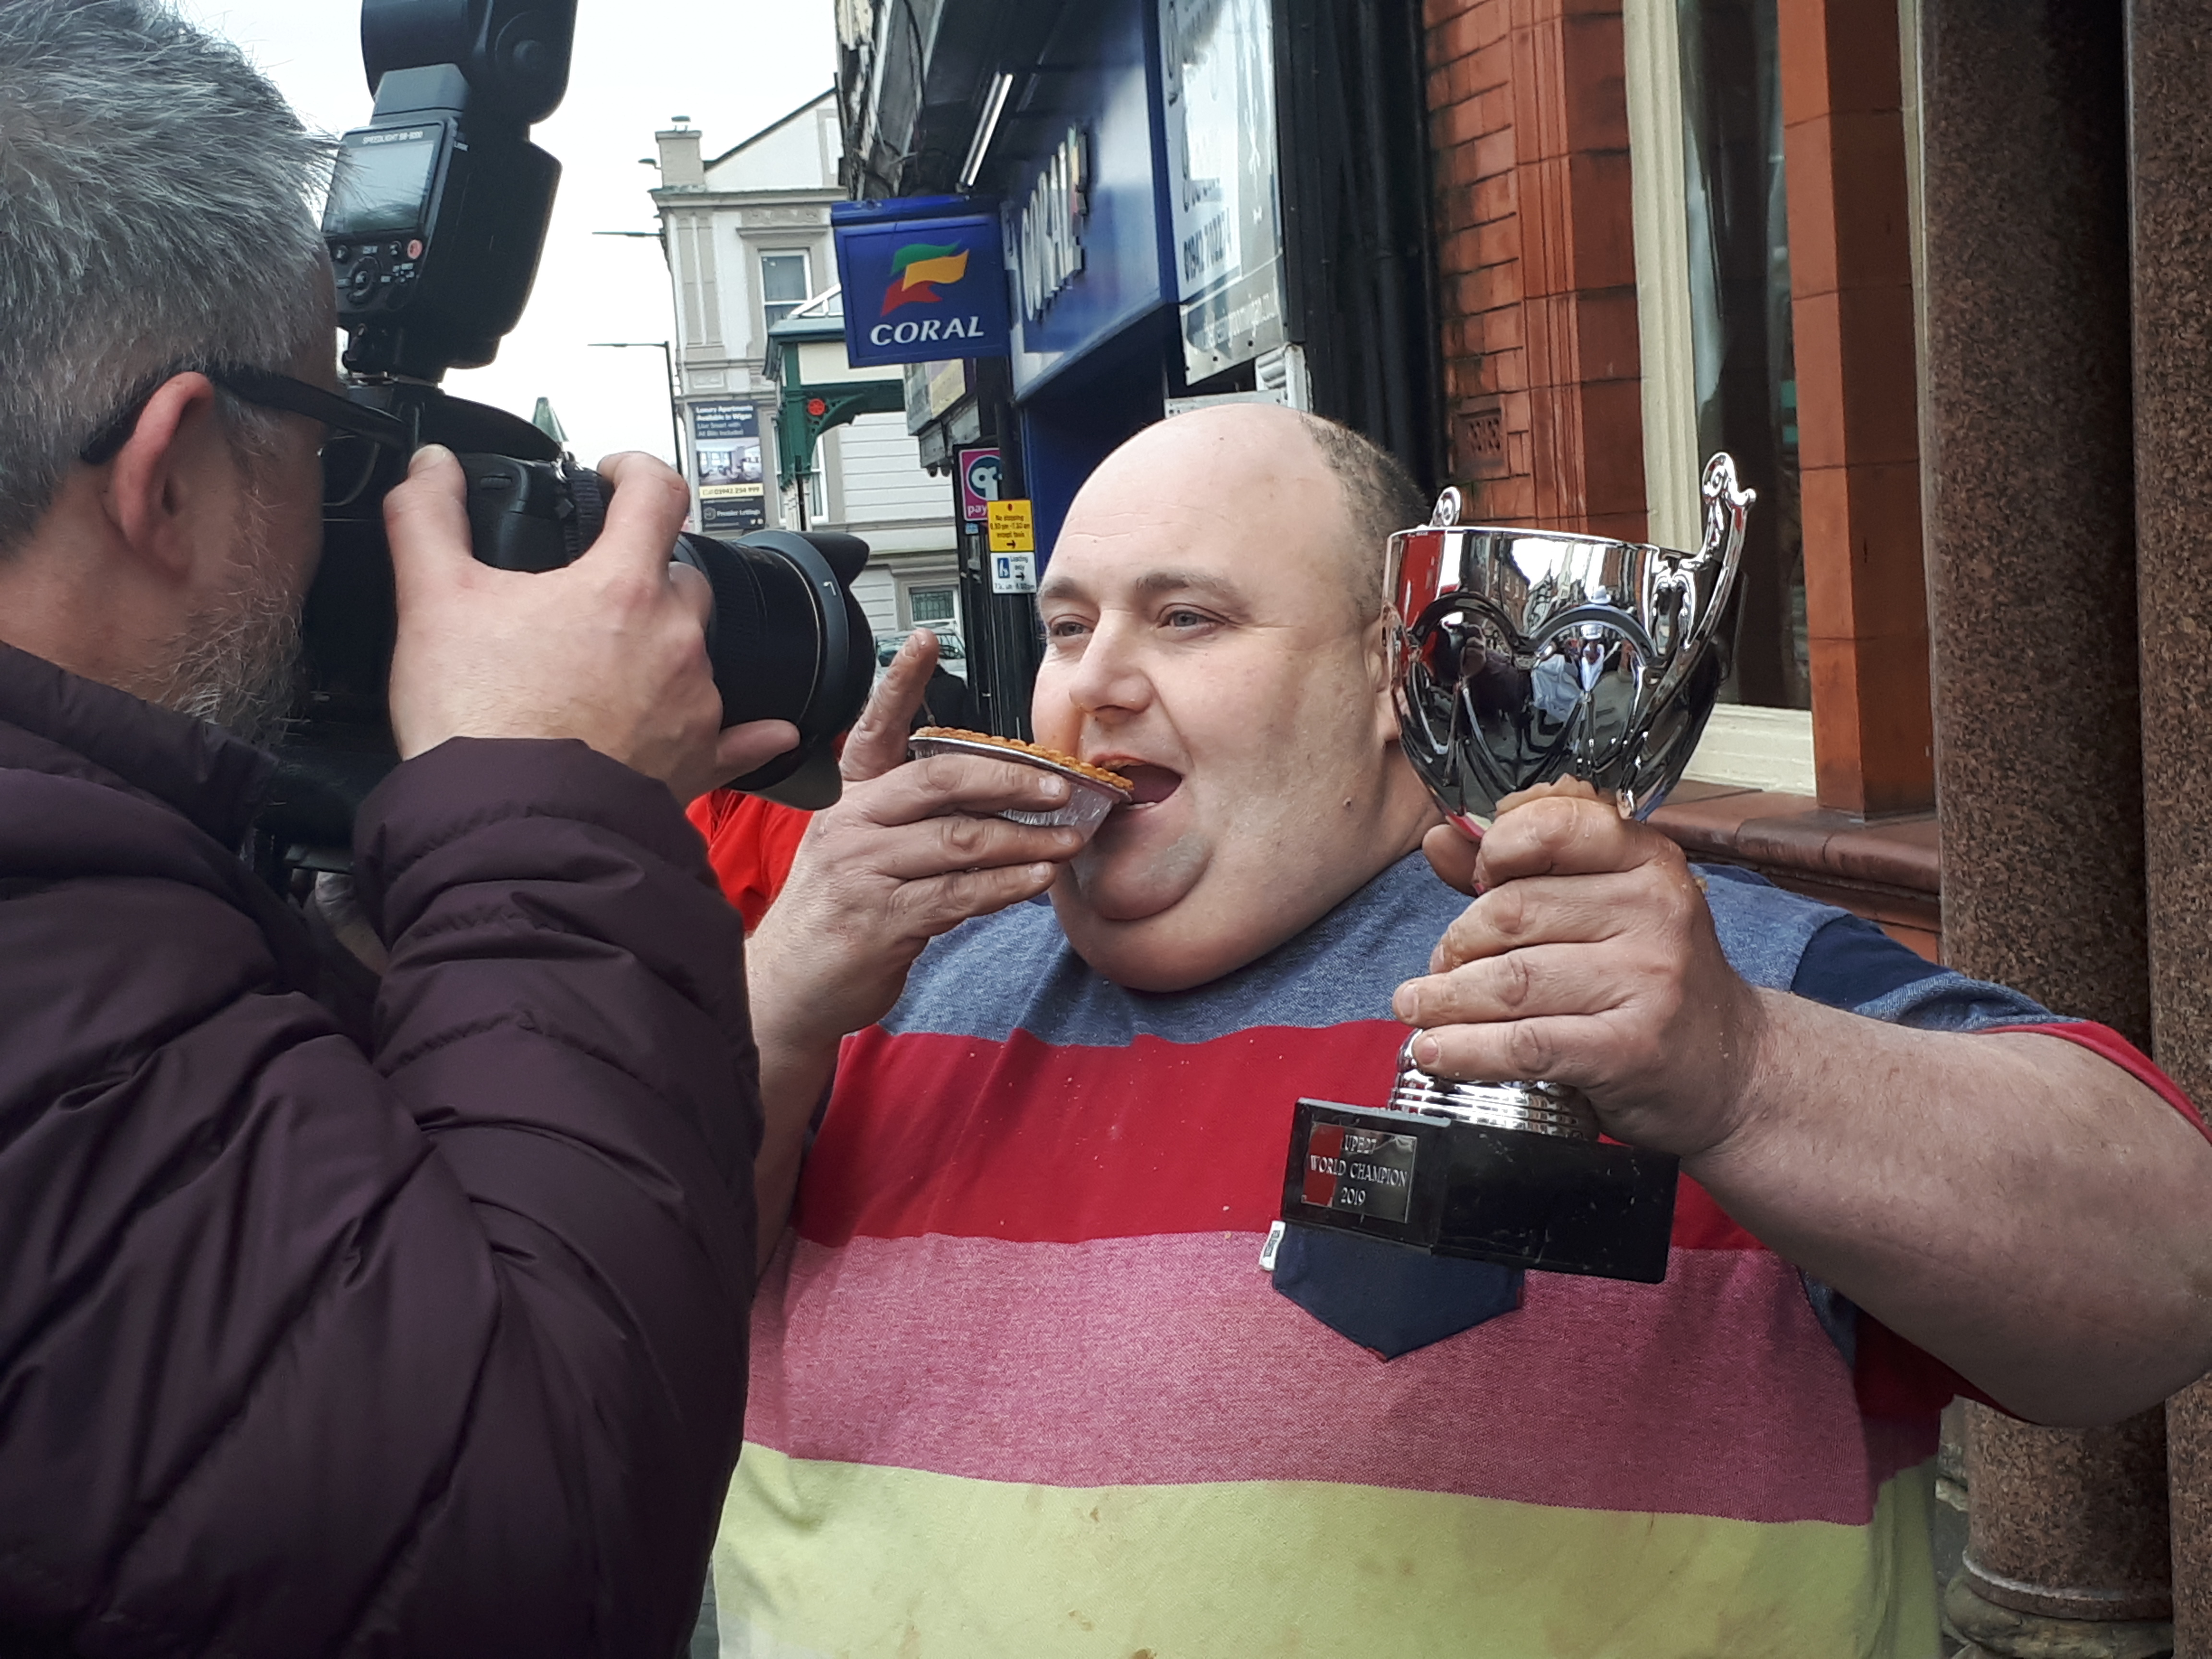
(726, 449)
(1219, 62)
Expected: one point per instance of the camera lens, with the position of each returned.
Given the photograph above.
(788, 642)
(766, 641)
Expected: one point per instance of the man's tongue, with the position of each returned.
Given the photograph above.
(1149, 784)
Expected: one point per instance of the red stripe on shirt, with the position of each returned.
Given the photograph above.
(1023, 1140)
(2108, 1045)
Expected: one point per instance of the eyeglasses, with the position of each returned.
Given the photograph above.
(356, 438)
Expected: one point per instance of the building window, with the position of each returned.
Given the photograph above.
(932, 607)
(783, 285)
(935, 604)
(1740, 310)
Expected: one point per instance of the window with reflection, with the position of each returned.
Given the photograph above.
(1746, 370)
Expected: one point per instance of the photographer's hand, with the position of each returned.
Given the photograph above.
(911, 852)
(609, 651)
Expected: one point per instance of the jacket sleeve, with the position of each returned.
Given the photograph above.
(441, 1353)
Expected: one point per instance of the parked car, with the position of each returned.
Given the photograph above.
(950, 651)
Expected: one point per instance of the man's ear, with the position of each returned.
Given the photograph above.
(1374, 651)
(159, 482)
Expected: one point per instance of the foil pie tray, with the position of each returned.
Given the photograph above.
(1096, 791)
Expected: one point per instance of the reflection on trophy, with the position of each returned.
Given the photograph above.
(1519, 658)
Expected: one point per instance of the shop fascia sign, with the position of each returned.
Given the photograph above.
(1048, 234)
(924, 280)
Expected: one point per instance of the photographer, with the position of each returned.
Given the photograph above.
(428, 1340)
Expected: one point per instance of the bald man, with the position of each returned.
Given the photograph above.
(1020, 1385)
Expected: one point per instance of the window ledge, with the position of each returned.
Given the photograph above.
(1889, 872)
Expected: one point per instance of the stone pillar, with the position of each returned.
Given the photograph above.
(2030, 509)
(2170, 68)
(2066, 1540)
(2189, 1472)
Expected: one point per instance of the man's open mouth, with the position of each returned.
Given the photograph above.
(1149, 785)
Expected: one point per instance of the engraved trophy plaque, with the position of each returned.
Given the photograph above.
(1522, 657)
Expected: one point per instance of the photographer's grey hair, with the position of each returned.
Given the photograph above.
(155, 210)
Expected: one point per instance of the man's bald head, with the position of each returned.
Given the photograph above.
(1344, 493)
(1212, 623)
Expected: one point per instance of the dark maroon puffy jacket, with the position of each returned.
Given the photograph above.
(428, 1340)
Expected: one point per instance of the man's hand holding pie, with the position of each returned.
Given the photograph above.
(912, 849)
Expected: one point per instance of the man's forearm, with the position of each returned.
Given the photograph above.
(793, 1077)
(2016, 1206)
(797, 1061)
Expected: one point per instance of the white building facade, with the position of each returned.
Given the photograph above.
(747, 236)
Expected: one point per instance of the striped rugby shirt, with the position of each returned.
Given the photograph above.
(1019, 1387)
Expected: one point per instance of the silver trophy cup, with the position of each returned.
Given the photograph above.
(1521, 657)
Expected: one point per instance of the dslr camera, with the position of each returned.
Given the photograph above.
(436, 219)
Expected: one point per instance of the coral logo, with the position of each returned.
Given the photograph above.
(942, 283)
(917, 269)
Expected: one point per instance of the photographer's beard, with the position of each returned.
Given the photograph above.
(234, 662)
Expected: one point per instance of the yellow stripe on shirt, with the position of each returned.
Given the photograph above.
(862, 1562)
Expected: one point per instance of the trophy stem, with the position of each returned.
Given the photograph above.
(1541, 1108)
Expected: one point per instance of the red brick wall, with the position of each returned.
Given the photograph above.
(1530, 124)
(1850, 280)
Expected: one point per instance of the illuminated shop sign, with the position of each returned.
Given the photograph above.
(920, 287)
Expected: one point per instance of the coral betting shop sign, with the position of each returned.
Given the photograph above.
(924, 280)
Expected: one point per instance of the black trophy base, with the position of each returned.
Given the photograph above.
(1463, 1189)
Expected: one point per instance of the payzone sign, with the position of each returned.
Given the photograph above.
(922, 291)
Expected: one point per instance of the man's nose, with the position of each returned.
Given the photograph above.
(1110, 674)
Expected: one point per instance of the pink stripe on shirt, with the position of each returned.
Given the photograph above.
(1171, 1359)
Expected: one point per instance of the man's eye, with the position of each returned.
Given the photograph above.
(1188, 619)
(1067, 627)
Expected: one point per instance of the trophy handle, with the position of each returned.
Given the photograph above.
(1726, 506)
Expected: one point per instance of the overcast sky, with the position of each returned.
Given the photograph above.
(733, 66)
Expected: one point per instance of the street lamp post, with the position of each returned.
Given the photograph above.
(667, 351)
(675, 391)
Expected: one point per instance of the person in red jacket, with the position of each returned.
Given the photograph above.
(752, 842)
